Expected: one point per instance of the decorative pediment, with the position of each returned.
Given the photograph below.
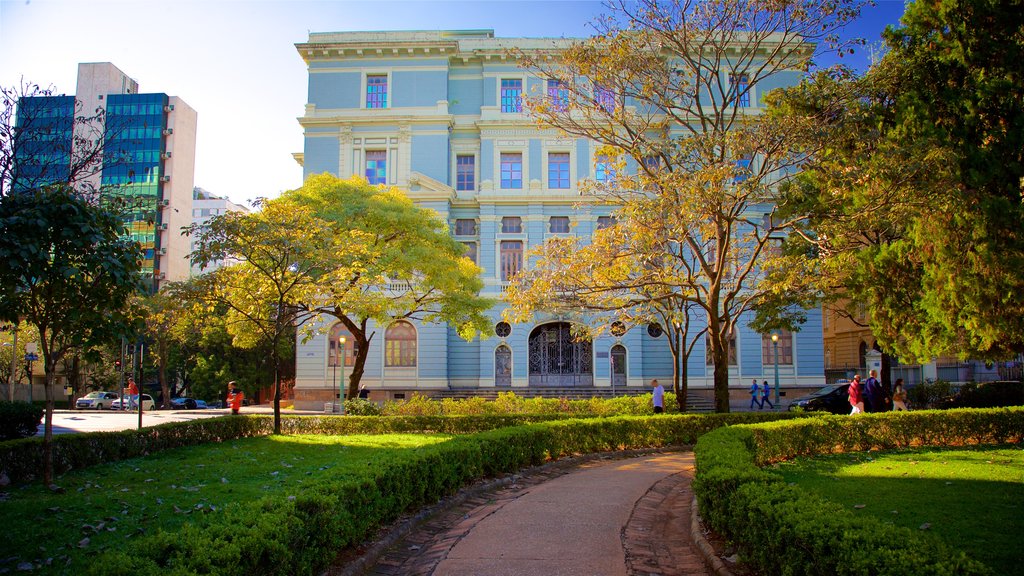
(423, 187)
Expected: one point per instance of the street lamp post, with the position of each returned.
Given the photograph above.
(338, 358)
(775, 345)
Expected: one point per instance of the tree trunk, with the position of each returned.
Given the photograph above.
(720, 361)
(358, 365)
(277, 388)
(684, 386)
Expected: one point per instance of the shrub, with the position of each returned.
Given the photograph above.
(986, 395)
(277, 535)
(19, 419)
(927, 394)
(361, 407)
(756, 508)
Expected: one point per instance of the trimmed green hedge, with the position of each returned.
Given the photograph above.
(19, 419)
(21, 459)
(300, 535)
(784, 530)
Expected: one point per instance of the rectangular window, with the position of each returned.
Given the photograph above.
(465, 227)
(604, 98)
(785, 349)
(511, 258)
(742, 170)
(558, 225)
(604, 170)
(377, 166)
(376, 91)
(511, 170)
(558, 94)
(470, 250)
(605, 222)
(511, 95)
(465, 172)
(511, 225)
(558, 170)
(739, 88)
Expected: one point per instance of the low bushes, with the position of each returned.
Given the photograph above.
(301, 534)
(985, 395)
(19, 419)
(509, 403)
(787, 531)
(22, 459)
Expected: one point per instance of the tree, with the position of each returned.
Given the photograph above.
(390, 260)
(915, 194)
(278, 253)
(67, 269)
(668, 86)
(47, 139)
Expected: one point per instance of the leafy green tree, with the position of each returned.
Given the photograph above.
(278, 253)
(669, 86)
(914, 195)
(67, 269)
(389, 260)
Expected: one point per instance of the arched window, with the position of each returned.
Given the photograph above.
(335, 347)
(785, 348)
(503, 366)
(400, 345)
(863, 354)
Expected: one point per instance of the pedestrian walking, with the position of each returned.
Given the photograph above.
(899, 396)
(765, 392)
(658, 397)
(856, 398)
(754, 390)
(874, 400)
(133, 394)
(235, 397)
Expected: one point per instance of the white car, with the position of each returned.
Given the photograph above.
(96, 400)
(147, 403)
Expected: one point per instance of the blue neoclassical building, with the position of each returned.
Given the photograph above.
(437, 114)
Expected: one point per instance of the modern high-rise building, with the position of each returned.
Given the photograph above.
(437, 114)
(147, 158)
(205, 206)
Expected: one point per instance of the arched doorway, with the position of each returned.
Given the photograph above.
(503, 366)
(618, 355)
(556, 359)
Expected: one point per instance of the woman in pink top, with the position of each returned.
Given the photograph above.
(856, 401)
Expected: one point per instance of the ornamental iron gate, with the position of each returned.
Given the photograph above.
(503, 366)
(618, 365)
(556, 359)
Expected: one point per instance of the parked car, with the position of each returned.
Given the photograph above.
(147, 403)
(96, 401)
(188, 404)
(834, 399)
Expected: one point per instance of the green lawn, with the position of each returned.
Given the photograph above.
(972, 498)
(107, 505)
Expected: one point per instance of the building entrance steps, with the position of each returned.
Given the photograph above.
(606, 516)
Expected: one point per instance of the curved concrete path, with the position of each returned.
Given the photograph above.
(604, 517)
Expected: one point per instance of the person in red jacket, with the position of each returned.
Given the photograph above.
(133, 393)
(856, 400)
(235, 397)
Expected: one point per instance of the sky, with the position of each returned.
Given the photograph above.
(235, 63)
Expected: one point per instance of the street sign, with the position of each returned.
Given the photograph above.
(31, 357)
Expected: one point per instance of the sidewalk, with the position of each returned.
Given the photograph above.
(604, 517)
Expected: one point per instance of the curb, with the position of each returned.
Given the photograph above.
(710, 558)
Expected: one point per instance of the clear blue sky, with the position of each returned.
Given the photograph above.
(234, 61)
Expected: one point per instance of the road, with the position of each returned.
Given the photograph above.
(72, 421)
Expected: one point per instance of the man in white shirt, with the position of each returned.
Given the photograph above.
(658, 398)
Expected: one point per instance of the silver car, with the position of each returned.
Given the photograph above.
(96, 401)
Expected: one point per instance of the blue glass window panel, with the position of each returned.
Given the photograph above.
(740, 89)
(558, 93)
(511, 95)
(511, 170)
(558, 170)
(465, 173)
(376, 91)
(605, 98)
(377, 166)
(604, 170)
(742, 170)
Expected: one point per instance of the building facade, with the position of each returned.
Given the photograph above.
(205, 206)
(438, 115)
(148, 158)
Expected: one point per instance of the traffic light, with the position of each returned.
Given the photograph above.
(117, 364)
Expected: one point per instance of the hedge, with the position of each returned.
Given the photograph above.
(783, 530)
(22, 460)
(19, 419)
(300, 535)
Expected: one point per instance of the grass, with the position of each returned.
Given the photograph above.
(106, 506)
(971, 498)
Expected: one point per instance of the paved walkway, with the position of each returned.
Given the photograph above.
(602, 517)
